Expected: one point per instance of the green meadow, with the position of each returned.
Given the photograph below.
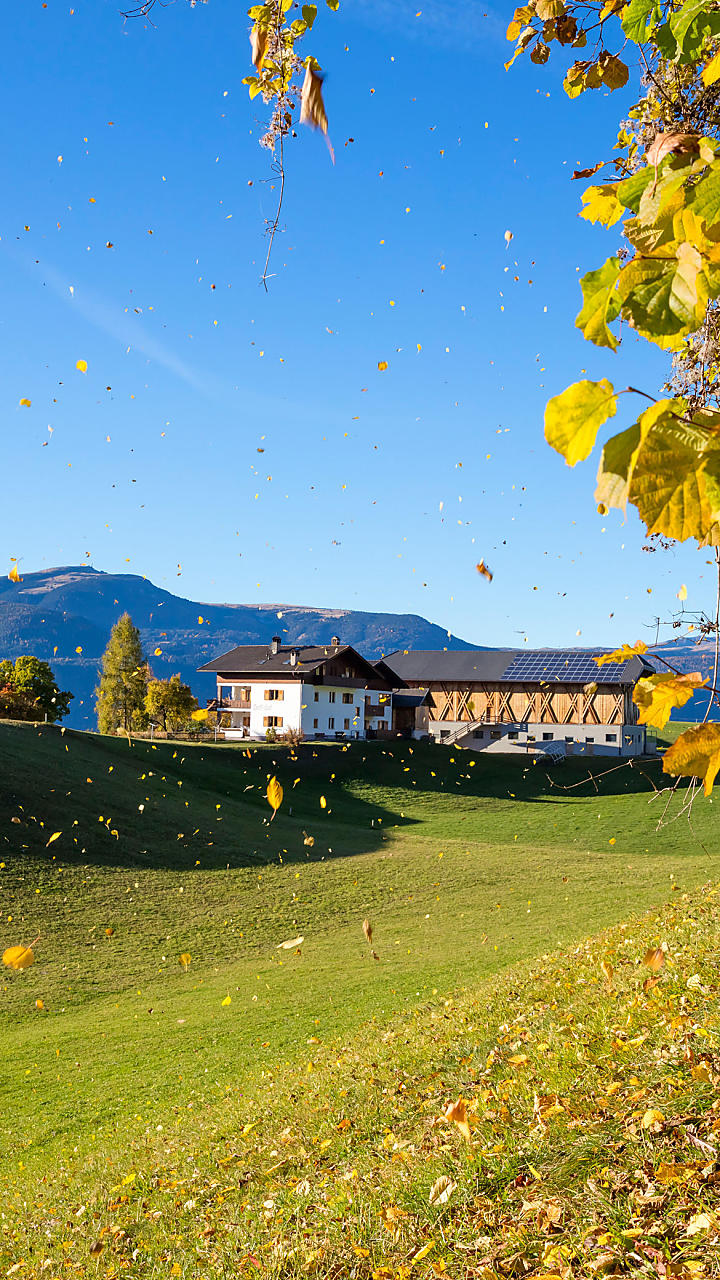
(465, 865)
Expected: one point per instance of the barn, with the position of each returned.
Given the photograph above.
(509, 700)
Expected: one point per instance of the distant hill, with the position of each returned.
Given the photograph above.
(58, 611)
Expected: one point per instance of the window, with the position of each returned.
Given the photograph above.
(242, 693)
(317, 696)
(274, 695)
(315, 723)
(513, 733)
(273, 722)
(331, 722)
(331, 696)
(547, 737)
(569, 738)
(346, 724)
(611, 737)
(589, 739)
(495, 733)
(357, 711)
(347, 697)
(479, 733)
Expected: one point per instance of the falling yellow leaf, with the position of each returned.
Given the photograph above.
(682, 593)
(258, 41)
(458, 1115)
(201, 619)
(79, 649)
(13, 575)
(654, 958)
(81, 365)
(508, 238)
(25, 403)
(185, 959)
(55, 836)
(382, 365)
(323, 802)
(290, 944)
(39, 1004)
(18, 957)
(367, 930)
(274, 795)
(158, 652)
(312, 107)
(695, 753)
(309, 840)
(483, 569)
(201, 714)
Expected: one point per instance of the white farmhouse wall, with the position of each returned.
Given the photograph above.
(287, 707)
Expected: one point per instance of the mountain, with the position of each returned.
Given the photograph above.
(64, 615)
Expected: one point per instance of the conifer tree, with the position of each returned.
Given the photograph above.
(123, 681)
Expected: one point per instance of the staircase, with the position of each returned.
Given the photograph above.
(462, 732)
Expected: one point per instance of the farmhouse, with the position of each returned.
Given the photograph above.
(321, 691)
(506, 700)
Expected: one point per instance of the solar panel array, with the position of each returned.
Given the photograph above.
(563, 668)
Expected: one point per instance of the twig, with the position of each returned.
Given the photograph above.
(280, 168)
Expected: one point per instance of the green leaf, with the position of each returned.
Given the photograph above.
(629, 192)
(662, 299)
(665, 41)
(705, 201)
(573, 419)
(601, 304)
(692, 25)
(602, 204)
(639, 19)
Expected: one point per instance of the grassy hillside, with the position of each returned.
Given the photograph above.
(464, 865)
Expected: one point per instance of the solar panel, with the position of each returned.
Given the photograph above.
(562, 668)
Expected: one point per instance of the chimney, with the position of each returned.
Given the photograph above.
(275, 644)
(335, 640)
(293, 657)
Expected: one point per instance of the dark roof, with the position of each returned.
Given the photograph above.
(258, 659)
(410, 697)
(512, 666)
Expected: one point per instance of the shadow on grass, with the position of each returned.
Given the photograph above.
(175, 806)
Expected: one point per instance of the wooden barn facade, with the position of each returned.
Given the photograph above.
(509, 700)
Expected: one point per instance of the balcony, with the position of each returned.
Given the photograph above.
(233, 704)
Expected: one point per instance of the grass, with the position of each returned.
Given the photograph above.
(464, 864)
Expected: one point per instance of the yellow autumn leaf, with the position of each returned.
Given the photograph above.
(696, 753)
(602, 205)
(55, 836)
(25, 403)
(382, 366)
(682, 593)
(39, 1004)
(79, 649)
(658, 695)
(226, 1001)
(13, 575)
(185, 959)
(653, 1120)
(654, 958)
(309, 841)
(201, 714)
(158, 652)
(18, 957)
(711, 70)
(323, 802)
(622, 654)
(290, 944)
(573, 418)
(457, 1113)
(274, 795)
(81, 366)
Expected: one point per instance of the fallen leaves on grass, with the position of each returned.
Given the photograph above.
(18, 957)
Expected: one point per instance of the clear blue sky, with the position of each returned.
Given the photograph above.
(439, 152)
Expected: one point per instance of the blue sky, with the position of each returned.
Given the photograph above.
(439, 152)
